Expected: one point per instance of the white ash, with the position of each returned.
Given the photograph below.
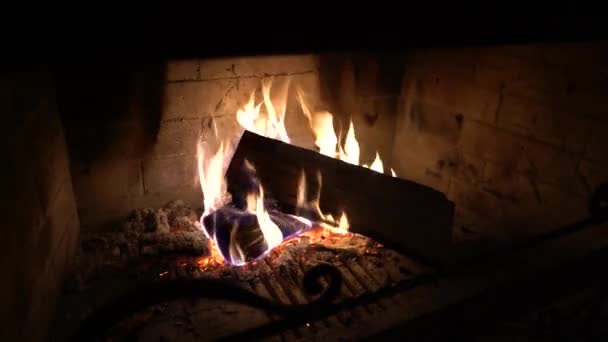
(175, 228)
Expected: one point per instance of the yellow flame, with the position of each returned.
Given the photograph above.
(350, 153)
(377, 164)
(325, 137)
(249, 115)
(322, 125)
(211, 175)
(313, 205)
(343, 224)
(272, 125)
(393, 173)
(326, 140)
(275, 125)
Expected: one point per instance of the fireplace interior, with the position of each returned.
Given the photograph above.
(423, 192)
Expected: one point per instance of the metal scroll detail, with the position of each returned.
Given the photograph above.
(100, 322)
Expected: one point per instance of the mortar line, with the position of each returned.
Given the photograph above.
(307, 72)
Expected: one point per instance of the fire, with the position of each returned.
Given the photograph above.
(211, 175)
(213, 184)
(267, 118)
(255, 205)
(326, 220)
(377, 165)
(350, 153)
(272, 125)
(326, 140)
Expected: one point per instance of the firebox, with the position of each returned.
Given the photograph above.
(341, 196)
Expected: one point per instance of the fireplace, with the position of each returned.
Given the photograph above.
(382, 172)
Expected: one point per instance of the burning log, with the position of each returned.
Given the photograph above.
(238, 234)
(399, 213)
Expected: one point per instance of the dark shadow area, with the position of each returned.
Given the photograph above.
(110, 110)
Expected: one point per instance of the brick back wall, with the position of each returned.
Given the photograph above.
(515, 135)
(132, 131)
(41, 225)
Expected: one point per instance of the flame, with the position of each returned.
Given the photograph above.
(272, 125)
(377, 164)
(325, 138)
(321, 123)
(350, 153)
(213, 185)
(249, 115)
(255, 205)
(267, 118)
(211, 175)
(343, 222)
(330, 223)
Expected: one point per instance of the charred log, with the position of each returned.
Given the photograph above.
(402, 214)
(238, 231)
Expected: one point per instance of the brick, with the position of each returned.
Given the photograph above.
(579, 54)
(374, 125)
(224, 97)
(520, 77)
(597, 148)
(419, 171)
(127, 140)
(63, 255)
(524, 52)
(105, 180)
(256, 66)
(182, 70)
(540, 161)
(53, 170)
(590, 103)
(464, 167)
(461, 97)
(62, 214)
(498, 215)
(542, 122)
(469, 224)
(169, 174)
(473, 198)
(42, 306)
(491, 143)
(44, 244)
(377, 74)
(444, 64)
(559, 208)
(177, 137)
(549, 165)
(440, 121)
(194, 99)
(593, 174)
(506, 183)
(410, 144)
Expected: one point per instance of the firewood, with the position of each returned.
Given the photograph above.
(402, 214)
(234, 229)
